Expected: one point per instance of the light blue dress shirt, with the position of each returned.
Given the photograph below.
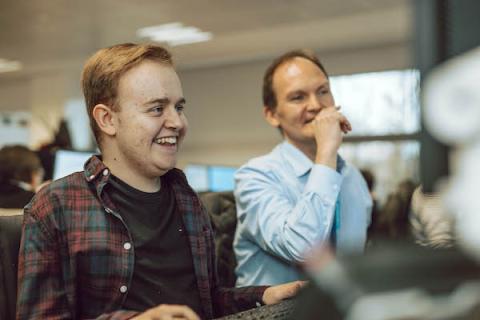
(286, 205)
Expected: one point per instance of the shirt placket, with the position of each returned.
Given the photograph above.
(127, 249)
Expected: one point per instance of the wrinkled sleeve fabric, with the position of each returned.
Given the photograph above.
(233, 300)
(280, 221)
(41, 289)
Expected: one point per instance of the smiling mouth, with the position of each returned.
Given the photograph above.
(167, 141)
(309, 121)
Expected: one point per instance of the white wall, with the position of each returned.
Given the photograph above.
(44, 95)
(15, 95)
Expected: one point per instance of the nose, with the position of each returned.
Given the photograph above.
(314, 104)
(173, 119)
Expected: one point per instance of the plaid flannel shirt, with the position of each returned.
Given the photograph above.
(76, 259)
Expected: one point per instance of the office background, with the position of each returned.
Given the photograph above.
(221, 78)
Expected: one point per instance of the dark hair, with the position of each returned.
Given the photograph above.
(102, 72)
(369, 178)
(394, 216)
(269, 96)
(18, 163)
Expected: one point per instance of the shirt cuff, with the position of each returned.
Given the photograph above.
(324, 181)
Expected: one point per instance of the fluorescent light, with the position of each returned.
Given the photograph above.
(174, 34)
(9, 65)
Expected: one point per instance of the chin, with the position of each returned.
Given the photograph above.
(167, 167)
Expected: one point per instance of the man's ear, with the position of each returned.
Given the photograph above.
(104, 116)
(271, 116)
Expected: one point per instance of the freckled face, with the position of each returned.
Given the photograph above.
(150, 121)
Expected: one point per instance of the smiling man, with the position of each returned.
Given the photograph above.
(127, 237)
(302, 193)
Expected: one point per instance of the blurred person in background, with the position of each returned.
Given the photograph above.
(370, 180)
(393, 220)
(302, 193)
(61, 141)
(21, 173)
(431, 223)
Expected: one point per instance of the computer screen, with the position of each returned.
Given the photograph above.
(197, 177)
(210, 177)
(220, 178)
(67, 162)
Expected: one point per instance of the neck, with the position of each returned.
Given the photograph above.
(23, 185)
(136, 180)
(309, 149)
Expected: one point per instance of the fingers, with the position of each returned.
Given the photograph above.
(169, 312)
(294, 288)
(345, 125)
(335, 113)
(180, 312)
(290, 292)
(277, 293)
(301, 284)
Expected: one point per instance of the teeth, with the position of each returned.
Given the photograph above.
(170, 140)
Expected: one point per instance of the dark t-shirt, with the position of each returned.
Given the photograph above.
(163, 269)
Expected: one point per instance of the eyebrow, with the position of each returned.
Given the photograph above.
(325, 84)
(301, 91)
(163, 101)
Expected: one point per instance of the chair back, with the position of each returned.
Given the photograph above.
(221, 208)
(10, 234)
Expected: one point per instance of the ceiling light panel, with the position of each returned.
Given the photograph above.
(174, 34)
(9, 65)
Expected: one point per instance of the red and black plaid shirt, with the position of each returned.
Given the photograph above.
(76, 258)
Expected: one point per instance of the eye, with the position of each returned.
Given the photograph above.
(323, 90)
(179, 107)
(157, 109)
(297, 97)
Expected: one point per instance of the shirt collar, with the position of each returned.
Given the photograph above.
(96, 172)
(93, 167)
(300, 163)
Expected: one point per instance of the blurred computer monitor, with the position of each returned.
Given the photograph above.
(220, 178)
(197, 177)
(67, 162)
(210, 177)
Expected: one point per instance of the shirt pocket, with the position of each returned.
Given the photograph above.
(102, 266)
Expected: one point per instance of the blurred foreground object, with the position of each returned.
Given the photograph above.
(452, 114)
(401, 280)
(395, 281)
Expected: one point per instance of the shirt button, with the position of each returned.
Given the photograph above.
(123, 289)
(127, 246)
(105, 172)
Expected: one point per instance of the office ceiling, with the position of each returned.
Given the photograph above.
(52, 34)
